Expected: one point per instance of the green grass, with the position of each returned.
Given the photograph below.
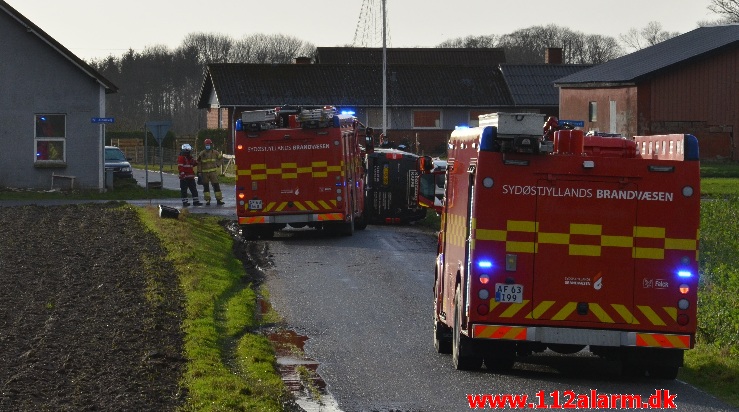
(230, 366)
(713, 370)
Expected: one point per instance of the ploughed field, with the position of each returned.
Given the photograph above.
(89, 312)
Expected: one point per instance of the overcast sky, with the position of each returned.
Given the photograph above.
(98, 28)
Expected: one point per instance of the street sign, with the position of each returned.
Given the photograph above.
(102, 120)
(158, 129)
(573, 123)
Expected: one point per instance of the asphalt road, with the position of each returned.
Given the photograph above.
(365, 304)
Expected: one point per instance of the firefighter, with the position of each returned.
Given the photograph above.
(186, 164)
(385, 142)
(209, 160)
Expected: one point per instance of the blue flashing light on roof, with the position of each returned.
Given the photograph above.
(691, 148)
(348, 112)
(487, 139)
(462, 126)
(239, 125)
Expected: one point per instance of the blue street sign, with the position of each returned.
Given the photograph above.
(573, 123)
(102, 120)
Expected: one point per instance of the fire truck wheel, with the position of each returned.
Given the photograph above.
(361, 222)
(248, 234)
(462, 356)
(632, 369)
(348, 227)
(442, 338)
(668, 372)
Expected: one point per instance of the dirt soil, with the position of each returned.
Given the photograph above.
(89, 312)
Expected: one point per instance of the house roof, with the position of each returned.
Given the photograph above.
(269, 85)
(643, 63)
(51, 42)
(416, 56)
(533, 84)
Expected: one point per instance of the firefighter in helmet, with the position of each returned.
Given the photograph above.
(209, 160)
(186, 166)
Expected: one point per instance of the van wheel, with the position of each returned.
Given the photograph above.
(463, 357)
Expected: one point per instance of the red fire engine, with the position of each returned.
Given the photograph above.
(566, 241)
(298, 167)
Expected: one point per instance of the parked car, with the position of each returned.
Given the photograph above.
(117, 161)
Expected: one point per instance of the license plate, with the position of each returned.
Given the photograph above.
(255, 204)
(508, 293)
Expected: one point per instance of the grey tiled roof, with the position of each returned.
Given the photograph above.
(266, 85)
(419, 56)
(533, 84)
(669, 53)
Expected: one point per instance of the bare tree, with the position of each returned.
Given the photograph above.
(651, 34)
(278, 48)
(211, 47)
(489, 41)
(727, 9)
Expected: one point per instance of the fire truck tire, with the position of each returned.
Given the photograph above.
(347, 228)
(248, 234)
(442, 338)
(361, 222)
(632, 369)
(463, 356)
(668, 372)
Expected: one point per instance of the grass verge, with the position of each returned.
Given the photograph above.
(230, 366)
(713, 370)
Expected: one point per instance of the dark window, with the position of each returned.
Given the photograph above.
(593, 111)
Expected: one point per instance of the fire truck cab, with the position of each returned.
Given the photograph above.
(298, 167)
(563, 241)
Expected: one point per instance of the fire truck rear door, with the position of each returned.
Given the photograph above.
(583, 266)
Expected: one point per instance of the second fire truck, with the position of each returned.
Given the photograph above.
(566, 242)
(298, 167)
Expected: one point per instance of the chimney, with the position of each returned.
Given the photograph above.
(553, 55)
(302, 60)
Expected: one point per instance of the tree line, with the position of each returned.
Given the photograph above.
(164, 84)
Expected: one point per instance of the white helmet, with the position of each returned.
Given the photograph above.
(186, 147)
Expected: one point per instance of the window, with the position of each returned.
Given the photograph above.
(374, 118)
(50, 137)
(593, 111)
(428, 119)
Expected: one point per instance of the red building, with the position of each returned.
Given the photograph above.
(687, 84)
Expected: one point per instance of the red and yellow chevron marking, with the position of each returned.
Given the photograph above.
(330, 216)
(522, 230)
(658, 340)
(305, 205)
(499, 332)
(567, 311)
(251, 220)
(291, 170)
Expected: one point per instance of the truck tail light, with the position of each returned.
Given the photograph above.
(484, 279)
(482, 309)
(683, 304)
(684, 289)
(682, 319)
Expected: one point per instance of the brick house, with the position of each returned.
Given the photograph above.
(687, 84)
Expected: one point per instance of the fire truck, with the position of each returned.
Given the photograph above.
(563, 241)
(299, 167)
(391, 187)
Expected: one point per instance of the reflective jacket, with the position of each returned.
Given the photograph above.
(186, 165)
(209, 160)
